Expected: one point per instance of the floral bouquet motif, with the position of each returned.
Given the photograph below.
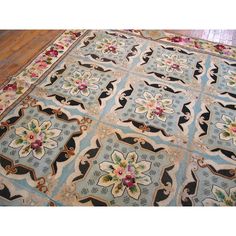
(154, 106)
(35, 139)
(125, 174)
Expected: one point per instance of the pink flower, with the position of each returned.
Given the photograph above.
(176, 39)
(175, 66)
(82, 85)
(31, 137)
(233, 129)
(111, 48)
(37, 144)
(33, 75)
(220, 47)
(151, 104)
(197, 45)
(119, 171)
(52, 53)
(159, 111)
(41, 65)
(128, 181)
(10, 87)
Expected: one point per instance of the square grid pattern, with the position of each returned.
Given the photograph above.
(123, 120)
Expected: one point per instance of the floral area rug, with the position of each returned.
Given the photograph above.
(121, 118)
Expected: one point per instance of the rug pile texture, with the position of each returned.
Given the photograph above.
(121, 118)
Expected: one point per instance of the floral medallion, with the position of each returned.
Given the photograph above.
(37, 142)
(122, 169)
(112, 46)
(35, 138)
(154, 106)
(81, 83)
(172, 63)
(109, 48)
(125, 174)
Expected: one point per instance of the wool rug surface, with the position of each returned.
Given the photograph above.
(121, 118)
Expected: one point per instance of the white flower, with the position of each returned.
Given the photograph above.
(108, 46)
(154, 106)
(172, 63)
(125, 173)
(35, 138)
(80, 83)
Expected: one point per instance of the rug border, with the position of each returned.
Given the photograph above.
(206, 40)
(45, 73)
(161, 39)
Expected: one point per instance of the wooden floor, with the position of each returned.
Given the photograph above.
(20, 46)
(17, 47)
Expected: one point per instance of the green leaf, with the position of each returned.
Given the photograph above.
(39, 150)
(142, 108)
(226, 134)
(50, 133)
(19, 141)
(123, 164)
(32, 126)
(26, 149)
(142, 166)
(119, 186)
(67, 84)
(117, 159)
(133, 189)
(107, 178)
(231, 82)
(227, 120)
(220, 195)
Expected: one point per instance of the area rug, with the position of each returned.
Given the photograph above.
(121, 118)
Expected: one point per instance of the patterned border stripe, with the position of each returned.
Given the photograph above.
(201, 45)
(20, 83)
